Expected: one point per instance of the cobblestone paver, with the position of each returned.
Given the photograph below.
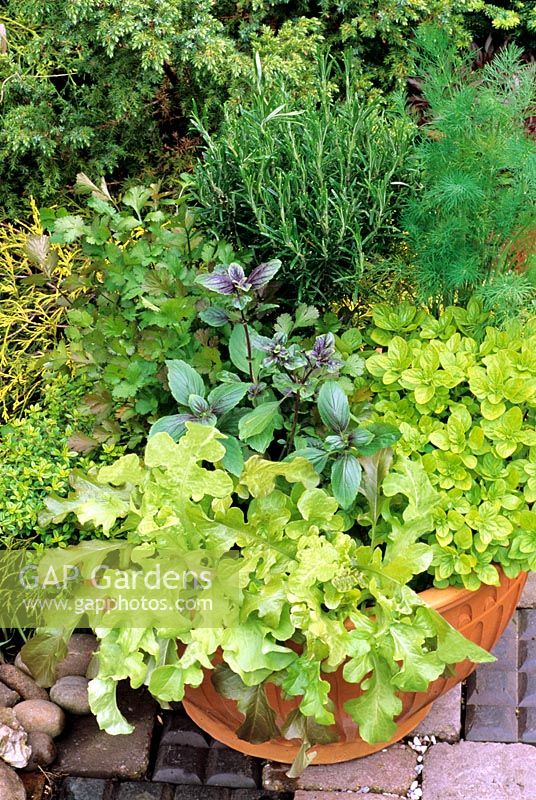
(302, 795)
(445, 719)
(83, 789)
(501, 697)
(391, 771)
(91, 789)
(185, 757)
(85, 751)
(528, 598)
(479, 771)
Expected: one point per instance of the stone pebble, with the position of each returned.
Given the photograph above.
(8, 698)
(43, 750)
(11, 786)
(40, 715)
(23, 684)
(71, 694)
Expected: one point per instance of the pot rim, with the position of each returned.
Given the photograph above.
(441, 599)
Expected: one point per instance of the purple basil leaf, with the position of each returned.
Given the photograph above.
(238, 277)
(183, 381)
(261, 342)
(264, 273)
(360, 436)
(336, 442)
(198, 405)
(216, 282)
(207, 419)
(240, 302)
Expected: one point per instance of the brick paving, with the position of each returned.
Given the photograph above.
(445, 719)
(501, 697)
(87, 752)
(487, 755)
(483, 771)
(391, 771)
(92, 789)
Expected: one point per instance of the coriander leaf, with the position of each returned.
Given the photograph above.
(69, 229)
(136, 197)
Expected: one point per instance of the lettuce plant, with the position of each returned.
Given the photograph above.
(306, 568)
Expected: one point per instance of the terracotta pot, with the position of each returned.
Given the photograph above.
(481, 616)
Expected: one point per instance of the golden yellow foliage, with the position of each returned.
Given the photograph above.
(34, 299)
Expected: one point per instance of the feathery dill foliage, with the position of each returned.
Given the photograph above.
(478, 177)
(317, 180)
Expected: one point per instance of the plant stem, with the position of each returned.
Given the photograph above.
(248, 346)
(292, 432)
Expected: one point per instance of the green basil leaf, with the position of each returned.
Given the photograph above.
(256, 421)
(233, 460)
(184, 381)
(333, 406)
(345, 479)
(382, 436)
(225, 397)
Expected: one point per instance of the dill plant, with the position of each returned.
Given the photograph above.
(477, 167)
